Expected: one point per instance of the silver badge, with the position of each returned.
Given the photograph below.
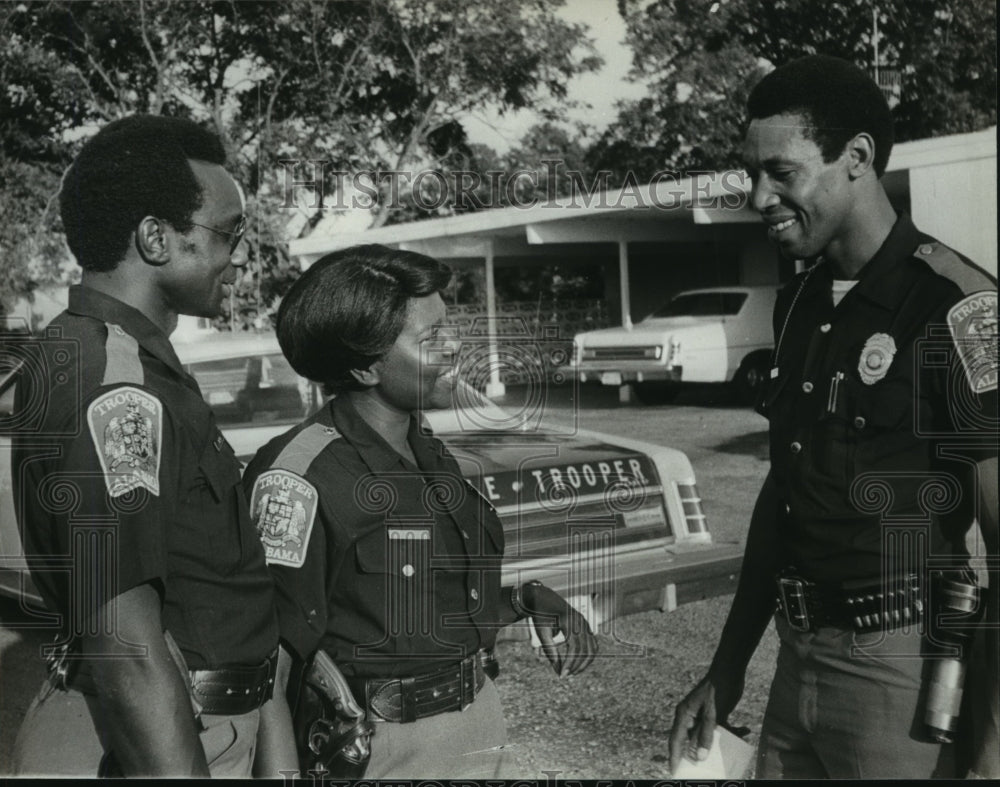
(876, 358)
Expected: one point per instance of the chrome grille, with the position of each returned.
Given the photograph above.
(647, 353)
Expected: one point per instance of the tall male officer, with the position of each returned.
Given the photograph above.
(127, 494)
(883, 432)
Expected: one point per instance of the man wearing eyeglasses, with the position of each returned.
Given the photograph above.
(127, 494)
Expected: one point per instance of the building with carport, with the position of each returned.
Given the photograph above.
(648, 242)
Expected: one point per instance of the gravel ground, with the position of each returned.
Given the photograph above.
(613, 720)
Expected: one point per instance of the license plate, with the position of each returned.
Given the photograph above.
(644, 517)
(611, 378)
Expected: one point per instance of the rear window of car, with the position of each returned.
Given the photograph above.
(703, 304)
(257, 390)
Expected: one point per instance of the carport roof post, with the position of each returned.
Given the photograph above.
(623, 278)
(494, 387)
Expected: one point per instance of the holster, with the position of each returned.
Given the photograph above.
(332, 735)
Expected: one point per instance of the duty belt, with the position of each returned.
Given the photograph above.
(885, 605)
(231, 691)
(226, 691)
(404, 700)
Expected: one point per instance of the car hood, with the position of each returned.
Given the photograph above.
(649, 329)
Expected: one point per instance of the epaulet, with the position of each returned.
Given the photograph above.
(122, 365)
(304, 448)
(126, 422)
(283, 503)
(948, 263)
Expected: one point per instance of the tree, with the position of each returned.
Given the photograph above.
(66, 68)
(701, 59)
(542, 166)
(944, 50)
(699, 72)
(361, 86)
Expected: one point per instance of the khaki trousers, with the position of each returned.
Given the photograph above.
(849, 706)
(468, 744)
(60, 736)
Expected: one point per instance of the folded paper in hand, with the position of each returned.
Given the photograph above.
(729, 758)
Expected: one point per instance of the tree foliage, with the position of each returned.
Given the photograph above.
(363, 86)
(700, 59)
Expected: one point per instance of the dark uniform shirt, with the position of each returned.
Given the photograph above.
(121, 477)
(873, 412)
(392, 569)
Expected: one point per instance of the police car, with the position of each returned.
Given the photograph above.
(615, 525)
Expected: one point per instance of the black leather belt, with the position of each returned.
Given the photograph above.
(230, 691)
(227, 691)
(886, 605)
(404, 700)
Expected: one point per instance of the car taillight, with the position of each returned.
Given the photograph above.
(694, 518)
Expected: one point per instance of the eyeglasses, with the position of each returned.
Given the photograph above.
(235, 234)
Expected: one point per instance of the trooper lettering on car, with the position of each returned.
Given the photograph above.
(585, 476)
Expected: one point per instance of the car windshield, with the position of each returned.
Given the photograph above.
(259, 389)
(702, 304)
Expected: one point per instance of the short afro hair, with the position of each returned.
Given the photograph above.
(838, 99)
(347, 310)
(132, 168)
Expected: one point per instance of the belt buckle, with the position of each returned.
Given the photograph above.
(792, 594)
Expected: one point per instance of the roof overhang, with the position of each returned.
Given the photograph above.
(668, 209)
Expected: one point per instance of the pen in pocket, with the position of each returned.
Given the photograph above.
(831, 402)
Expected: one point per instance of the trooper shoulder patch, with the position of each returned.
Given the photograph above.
(126, 425)
(973, 325)
(283, 507)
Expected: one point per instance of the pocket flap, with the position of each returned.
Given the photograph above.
(885, 404)
(772, 388)
(220, 467)
(390, 550)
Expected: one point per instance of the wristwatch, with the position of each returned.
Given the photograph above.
(517, 603)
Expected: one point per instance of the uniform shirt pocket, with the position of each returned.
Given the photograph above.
(772, 390)
(218, 508)
(399, 551)
(883, 406)
(882, 421)
(372, 551)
